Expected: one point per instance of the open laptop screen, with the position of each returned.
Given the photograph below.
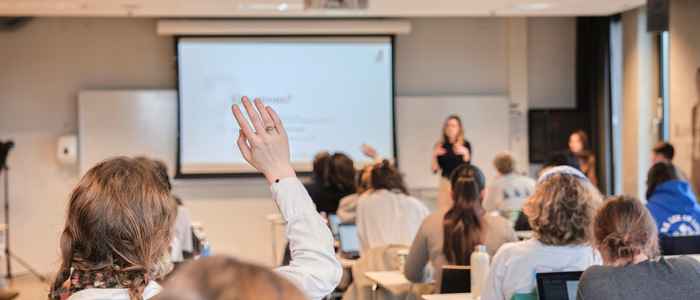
(558, 286)
(349, 243)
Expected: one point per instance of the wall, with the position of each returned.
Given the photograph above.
(453, 57)
(46, 63)
(684, 91)
(44, 66)
(640, 92)
(551, 57)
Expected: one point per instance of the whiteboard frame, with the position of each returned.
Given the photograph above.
(178, 166)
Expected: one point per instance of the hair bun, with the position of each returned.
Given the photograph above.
(385, 164)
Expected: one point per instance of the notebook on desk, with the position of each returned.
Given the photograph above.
(558, 286)
(349, 242)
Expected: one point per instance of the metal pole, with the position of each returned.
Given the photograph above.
(7, 222)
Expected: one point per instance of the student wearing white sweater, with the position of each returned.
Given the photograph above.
(386, 213)
(560, 213)
(120, 218)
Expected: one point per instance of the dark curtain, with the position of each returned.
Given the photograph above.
(593, 91)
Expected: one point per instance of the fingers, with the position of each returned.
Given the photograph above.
(264, 114)
(253, 116)
(277, 121)
(242, 121)
(243, 146)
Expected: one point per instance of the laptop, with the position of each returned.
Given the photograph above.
(334, 222)
(349, 242)
(558, 286)
(456, 279)
(680, 245)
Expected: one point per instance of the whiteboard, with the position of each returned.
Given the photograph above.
(127, 122)
(144, 122)
(419, 126)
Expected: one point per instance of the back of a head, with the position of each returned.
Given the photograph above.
(561, 210)
(320, 165)
(623, 228)
(385, 175)
(561, 158)
(658, 174)
(118, 222)
(340, 173)
(226, 278)
(462, 224)
(666, 150)
(504, 163)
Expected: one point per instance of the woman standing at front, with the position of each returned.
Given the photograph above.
(449, 153)
(579, 149)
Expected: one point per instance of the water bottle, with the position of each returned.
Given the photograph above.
(479, 262)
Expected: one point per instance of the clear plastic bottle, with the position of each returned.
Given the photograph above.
(479, 262)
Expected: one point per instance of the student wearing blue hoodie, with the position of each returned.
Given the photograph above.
(672, 202)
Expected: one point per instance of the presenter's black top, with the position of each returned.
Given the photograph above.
(450, 160)
(326, 199)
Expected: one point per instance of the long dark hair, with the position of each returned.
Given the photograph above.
(658, 174)
(385, 176)
(463, 223)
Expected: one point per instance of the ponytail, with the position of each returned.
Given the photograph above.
(463, 223)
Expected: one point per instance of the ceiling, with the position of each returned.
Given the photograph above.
(294, 8)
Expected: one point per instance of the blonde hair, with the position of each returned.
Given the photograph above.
(504, 163)
(623, 228)
(561, 210)
(226, 278)
(119, 221)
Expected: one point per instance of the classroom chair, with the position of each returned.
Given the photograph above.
(455, 279)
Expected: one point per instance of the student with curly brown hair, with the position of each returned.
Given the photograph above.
(627, 238)
(560, 213)
(120, 218)
(118, 228)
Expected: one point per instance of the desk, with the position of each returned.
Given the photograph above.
(461, 296)
(392, 281)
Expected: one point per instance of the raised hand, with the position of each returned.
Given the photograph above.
(369, 151)
(462, 150)
(439, 150)
(266, 145)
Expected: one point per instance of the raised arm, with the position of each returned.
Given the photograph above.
(313, 268)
